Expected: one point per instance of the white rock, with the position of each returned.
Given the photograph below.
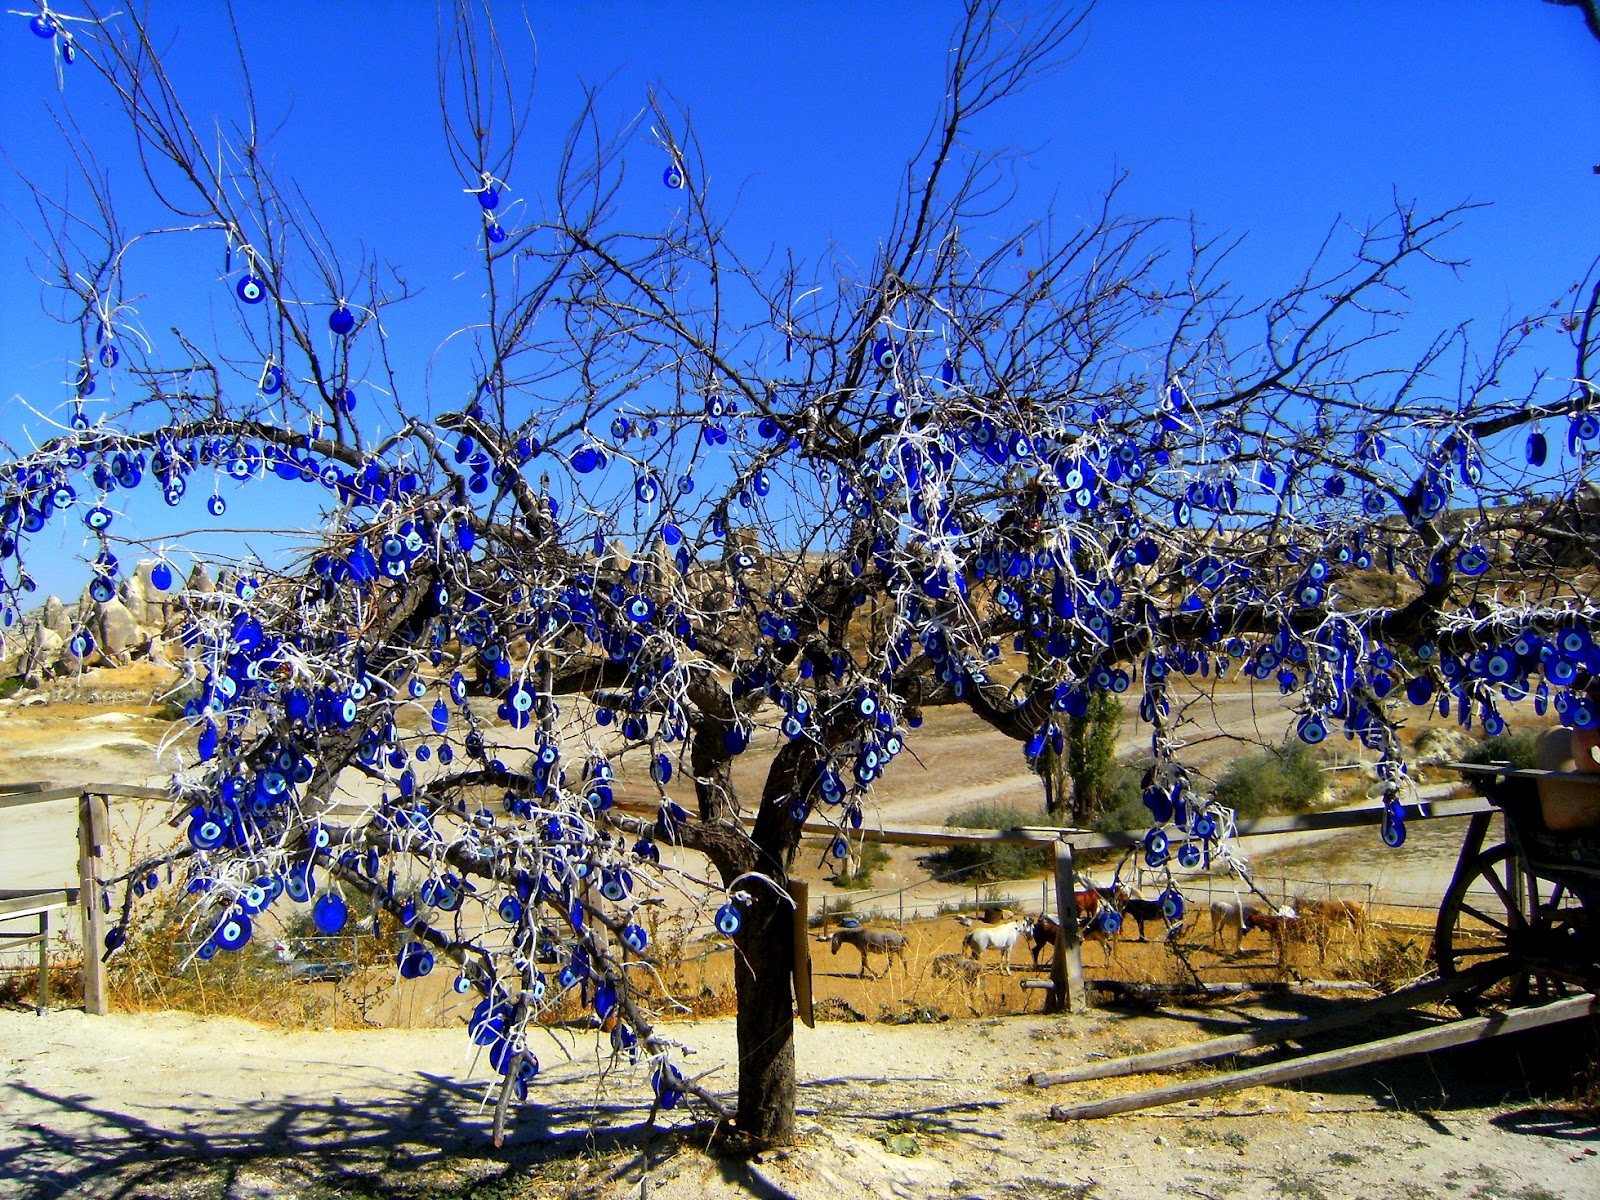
(132, 597)
(119, 633)
(55, 616)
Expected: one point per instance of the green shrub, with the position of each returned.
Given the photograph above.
(1284, 780)
(173, 705)
(985, 863)
(1515, 748)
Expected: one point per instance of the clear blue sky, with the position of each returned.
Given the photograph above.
(1267, 119)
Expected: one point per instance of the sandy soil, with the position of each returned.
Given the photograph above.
(171, 1106)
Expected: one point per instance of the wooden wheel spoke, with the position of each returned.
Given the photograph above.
(1513, 909)
(1473, 994)
(1485, 917)
(1479, 951)
(1485, 984)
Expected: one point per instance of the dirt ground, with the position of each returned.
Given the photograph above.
(162, 1104)
(136, 1107)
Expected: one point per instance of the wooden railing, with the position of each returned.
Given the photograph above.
(93, 831)
(1067, 987)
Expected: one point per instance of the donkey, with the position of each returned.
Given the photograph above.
(875, 941)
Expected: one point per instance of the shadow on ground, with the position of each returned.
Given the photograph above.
(427, 1140)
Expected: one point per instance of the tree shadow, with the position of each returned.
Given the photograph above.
(1562, 1124)
(404, 1142)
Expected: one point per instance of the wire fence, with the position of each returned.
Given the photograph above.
(946, 893)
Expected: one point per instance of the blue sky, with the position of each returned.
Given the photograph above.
(1272, 120)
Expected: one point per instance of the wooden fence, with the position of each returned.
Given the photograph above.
(1067, 990)
(93, 832)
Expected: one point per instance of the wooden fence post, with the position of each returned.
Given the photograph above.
(801, 893)
(91, 840)
(44, 960)
(1066, 971)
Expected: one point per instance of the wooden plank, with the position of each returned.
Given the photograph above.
(1344, 818)
(126, 791)
(802, 952)
(1505, 771)
(35, 785)
(1066, 969)
(1456, 1033)
(29, 904)
(1046, 835)
(44, 797)
(91, 841)
(1276, 1031)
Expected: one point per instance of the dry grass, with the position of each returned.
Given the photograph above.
(155, 972)
(19, 986)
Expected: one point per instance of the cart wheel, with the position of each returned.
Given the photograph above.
(1534, 927)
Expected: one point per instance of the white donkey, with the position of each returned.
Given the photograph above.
(998, 937)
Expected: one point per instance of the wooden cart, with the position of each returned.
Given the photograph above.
(1516, 947)
(1526, 909)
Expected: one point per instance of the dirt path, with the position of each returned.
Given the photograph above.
(170, 1106)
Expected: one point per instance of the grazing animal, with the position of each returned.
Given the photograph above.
(1130, 904)
(1000, 937)
(1088, 902)
(872, 941)
(1281, 926)
(1321, 917)
(1090, 929)
(956, 966)
(1094, 930)
(1043, 933)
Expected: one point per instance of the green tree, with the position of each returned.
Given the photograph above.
(1091, 754)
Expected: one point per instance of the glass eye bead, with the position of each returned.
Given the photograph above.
(250, 289)
(233, 933)
(341, 320)
(1394, 831)
(330, 912)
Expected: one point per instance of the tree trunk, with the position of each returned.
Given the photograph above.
(764, 958)
(1053, 774)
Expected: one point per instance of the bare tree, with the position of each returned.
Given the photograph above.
(686, 502)
(1590, 10)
